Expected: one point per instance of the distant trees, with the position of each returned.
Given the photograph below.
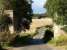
(57, 9)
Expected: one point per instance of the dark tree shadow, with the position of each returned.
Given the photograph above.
(20, 41)
(25, 41)
(28, 40)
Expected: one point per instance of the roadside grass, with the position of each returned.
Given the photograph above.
(19, 40)
(59, 41)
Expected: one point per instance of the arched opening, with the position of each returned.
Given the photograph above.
(48, 35)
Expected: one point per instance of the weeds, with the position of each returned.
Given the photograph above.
(59, 41)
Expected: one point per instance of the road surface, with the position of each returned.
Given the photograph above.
(36, 47)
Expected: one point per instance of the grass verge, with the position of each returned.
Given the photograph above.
(59, 41)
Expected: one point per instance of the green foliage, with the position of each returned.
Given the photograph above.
(59, 41)
(1, 3)
(10, 4)
(22, 9)
(51, 6)
(57, 9)
(65, 28)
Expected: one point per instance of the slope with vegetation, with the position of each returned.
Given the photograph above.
(57, 10)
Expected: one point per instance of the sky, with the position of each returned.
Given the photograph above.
(37, 6)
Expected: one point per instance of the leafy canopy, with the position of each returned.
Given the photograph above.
(57, 9)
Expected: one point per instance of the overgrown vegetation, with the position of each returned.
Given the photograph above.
(59, 41)
(57, 9)
(64, 28)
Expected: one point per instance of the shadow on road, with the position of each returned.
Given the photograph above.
(28, 40)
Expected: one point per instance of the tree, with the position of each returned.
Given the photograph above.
(22, 9)
(57, 9)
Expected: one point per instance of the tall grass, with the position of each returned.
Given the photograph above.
(59, 41)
